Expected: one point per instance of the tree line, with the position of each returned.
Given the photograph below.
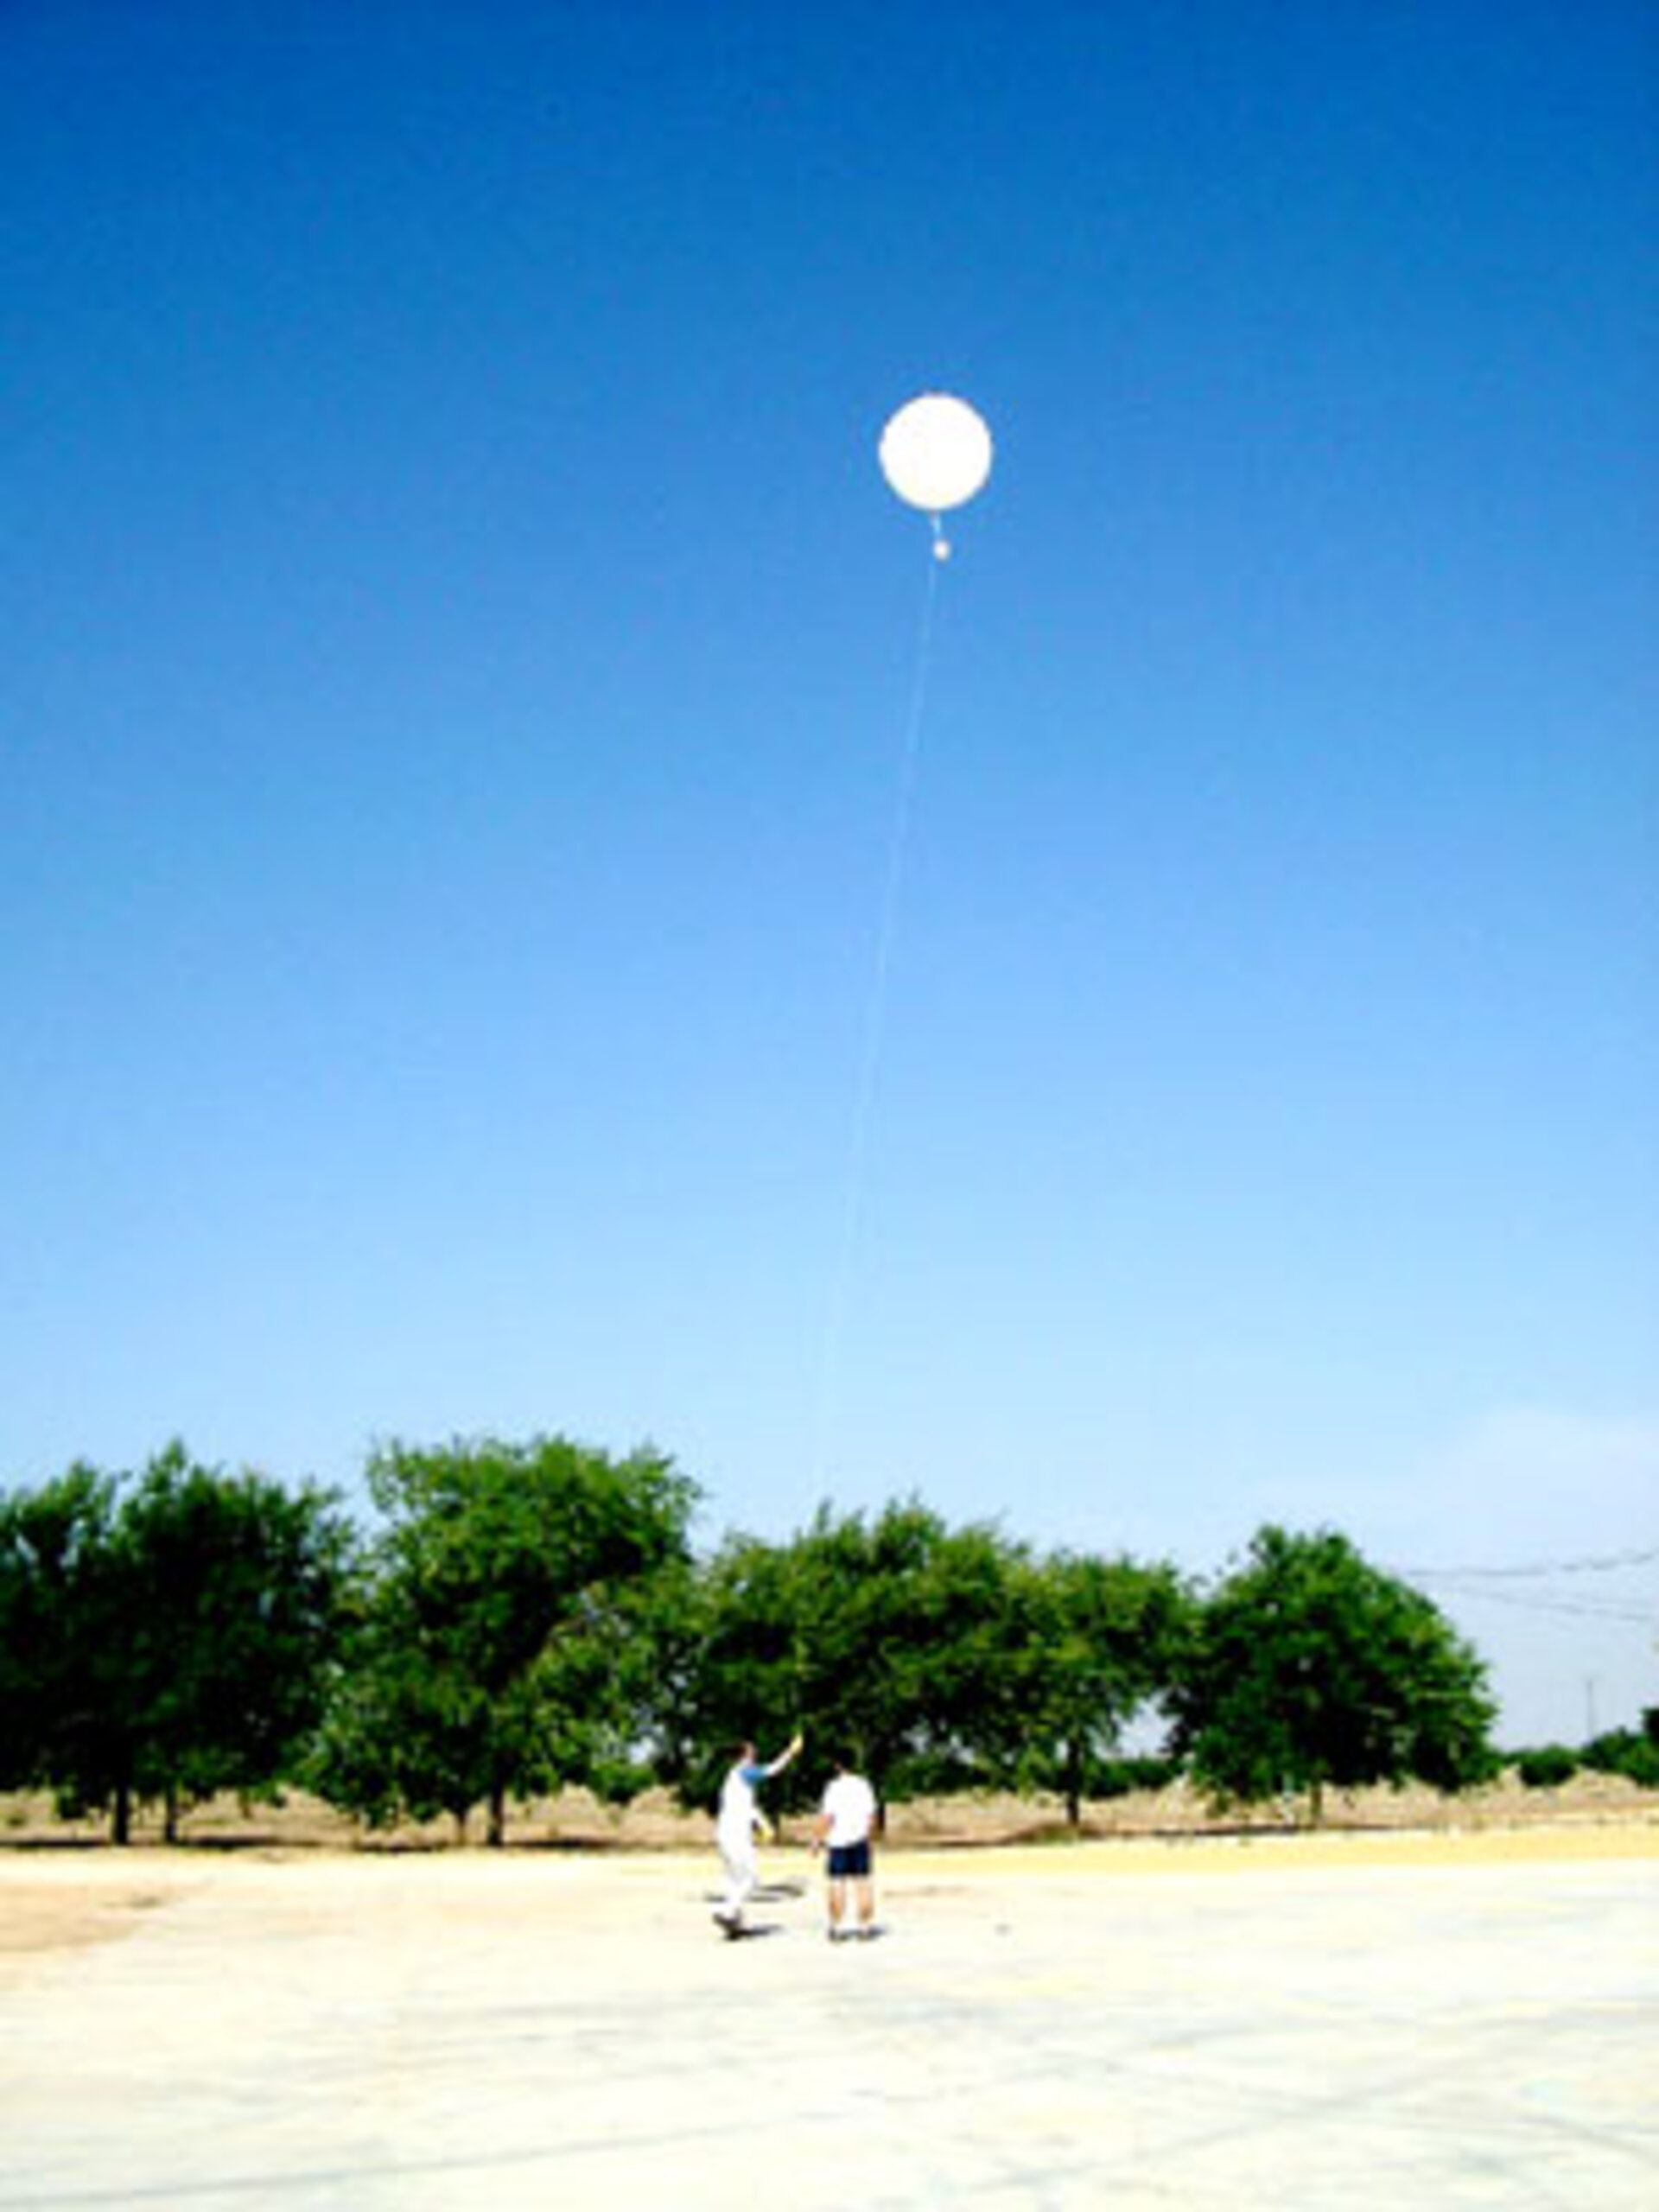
(523, 1617)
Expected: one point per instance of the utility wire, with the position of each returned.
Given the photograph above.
(1602, 1565)
(1485, 1585)
(1583, 1609)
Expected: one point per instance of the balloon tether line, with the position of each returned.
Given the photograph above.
(875, 1014)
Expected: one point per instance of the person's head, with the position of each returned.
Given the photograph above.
(744, 1751)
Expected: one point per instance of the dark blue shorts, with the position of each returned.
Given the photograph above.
(849, 1861)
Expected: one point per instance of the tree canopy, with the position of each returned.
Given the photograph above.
(940, 1658)
(1105, 1640)
(1308, 1669)
(164, 1635)
(523, 1616)
(59, 1703)
(499, 1640)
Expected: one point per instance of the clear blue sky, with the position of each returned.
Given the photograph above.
(457, 646)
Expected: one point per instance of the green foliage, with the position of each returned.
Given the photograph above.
(235, 1590)
(1309, 1668)
(940, 1658)
(1118, 1777)
(1546, 1766)
(895, 1638)
(1631, 1753)
(1625, 1750)
(60, 1672)
(1101, 1638)
(530, 1615)
(165, 1636)
(504, 1632)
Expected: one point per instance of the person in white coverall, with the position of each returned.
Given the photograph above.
(740, 1819)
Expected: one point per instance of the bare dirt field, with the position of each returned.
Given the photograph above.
(1396, 2017)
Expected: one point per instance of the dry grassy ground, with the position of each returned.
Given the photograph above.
(654, 1823)
(61, 1888)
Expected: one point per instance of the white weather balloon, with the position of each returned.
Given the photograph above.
(936, 452)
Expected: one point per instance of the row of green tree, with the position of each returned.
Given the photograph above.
(1631, 1753)
(520, 1617)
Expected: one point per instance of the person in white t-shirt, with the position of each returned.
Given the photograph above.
(735, 1828)
(846, 1824)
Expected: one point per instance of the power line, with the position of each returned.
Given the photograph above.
(1583, 1610)
(1603, 1564)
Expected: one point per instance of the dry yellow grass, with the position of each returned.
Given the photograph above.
(654, 1821)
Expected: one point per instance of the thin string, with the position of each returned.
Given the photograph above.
(875, 1010)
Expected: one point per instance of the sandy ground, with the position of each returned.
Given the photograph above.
(1392, 2019)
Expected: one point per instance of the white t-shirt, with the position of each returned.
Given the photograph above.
(738, 1810)
(849, 1808)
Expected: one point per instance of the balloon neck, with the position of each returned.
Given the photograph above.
(941, 543)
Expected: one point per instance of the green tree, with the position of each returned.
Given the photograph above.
(501, 1643)
(895, 1638)
(1104, 1639)
(164, 1636)
(1629, 1751)
(735, 1665)
(233, 1587)
(62, 1722)
(1309, 1668)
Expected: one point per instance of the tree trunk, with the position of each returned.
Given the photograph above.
(1073, 1785)
(170, 1819)
(121, 1819)
(497, 1829)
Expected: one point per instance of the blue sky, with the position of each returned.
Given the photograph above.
(457, 653)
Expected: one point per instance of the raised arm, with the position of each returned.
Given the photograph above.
(790, 1750)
